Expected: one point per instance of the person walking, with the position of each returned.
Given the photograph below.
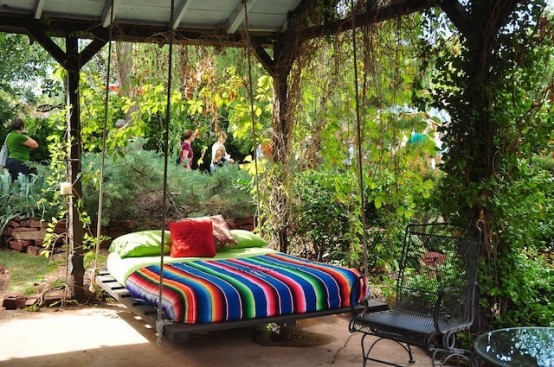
(219, 145)
(219, 159)
(186, 150)
(19, 147)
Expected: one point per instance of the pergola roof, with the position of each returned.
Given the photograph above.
(267, 16)
(222, 17)
(211, 21)
(139, 20)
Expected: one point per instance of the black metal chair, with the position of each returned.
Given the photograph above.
(435, 295)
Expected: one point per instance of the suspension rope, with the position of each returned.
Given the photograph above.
(161, 322)
(247, 47)
(92, 288)
(359, 143)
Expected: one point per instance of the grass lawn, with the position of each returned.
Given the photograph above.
(25, 270)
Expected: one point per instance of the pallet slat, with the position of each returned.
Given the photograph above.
(178, 333)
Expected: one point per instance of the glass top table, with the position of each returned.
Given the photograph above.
(517, 347)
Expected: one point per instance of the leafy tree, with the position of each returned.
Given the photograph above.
(207, 92)
(493, 74)
(24, 76)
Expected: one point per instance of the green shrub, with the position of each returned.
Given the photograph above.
(133, 190)
(21, 198)
(545, 162)
(519, 285)
(318, 217)
(326, 220)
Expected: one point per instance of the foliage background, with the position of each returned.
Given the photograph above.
(414, 78)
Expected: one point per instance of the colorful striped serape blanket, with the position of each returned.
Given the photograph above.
(206, 291)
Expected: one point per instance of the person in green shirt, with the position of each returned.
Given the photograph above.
(19, 147)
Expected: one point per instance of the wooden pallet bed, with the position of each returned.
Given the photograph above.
(179, 333)
(241, 285)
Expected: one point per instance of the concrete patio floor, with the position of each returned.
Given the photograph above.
(110, 336)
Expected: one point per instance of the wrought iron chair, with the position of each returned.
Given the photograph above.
(435, 295)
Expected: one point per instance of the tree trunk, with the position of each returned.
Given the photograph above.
(124, 56)
(475, 155)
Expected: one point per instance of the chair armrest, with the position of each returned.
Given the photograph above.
(439, 307)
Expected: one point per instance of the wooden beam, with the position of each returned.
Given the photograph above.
(128, 32)
(264, 58)
(73, 60)
(106, 17)
(37, 13)
(238, 16)
(50, 46)
(61, 56)
(91, 50)
(77, 252)
(180, 13)
(371, 16)
(457, 15)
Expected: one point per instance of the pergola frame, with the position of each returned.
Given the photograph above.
(275, 51)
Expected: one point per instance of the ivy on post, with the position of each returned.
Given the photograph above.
(76, 264)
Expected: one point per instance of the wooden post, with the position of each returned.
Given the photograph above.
(75, 245)
(279, 68)
(280, 142)
(72, 60)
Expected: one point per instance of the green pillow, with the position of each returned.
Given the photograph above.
(246, 239)
(143, 243)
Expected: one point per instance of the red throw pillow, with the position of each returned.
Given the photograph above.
(222, 234)
(192, 238)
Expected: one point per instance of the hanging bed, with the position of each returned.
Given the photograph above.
(238, 282)
(208, 278)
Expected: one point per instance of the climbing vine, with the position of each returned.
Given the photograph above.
(497, 89)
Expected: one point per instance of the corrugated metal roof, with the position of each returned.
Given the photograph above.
(213, 17)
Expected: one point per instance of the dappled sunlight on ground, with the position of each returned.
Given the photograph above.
(33, 334)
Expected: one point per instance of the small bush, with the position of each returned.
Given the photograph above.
(522, 293)
(326, 222)
(21, 198)
(318, 217)
(133, 190)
